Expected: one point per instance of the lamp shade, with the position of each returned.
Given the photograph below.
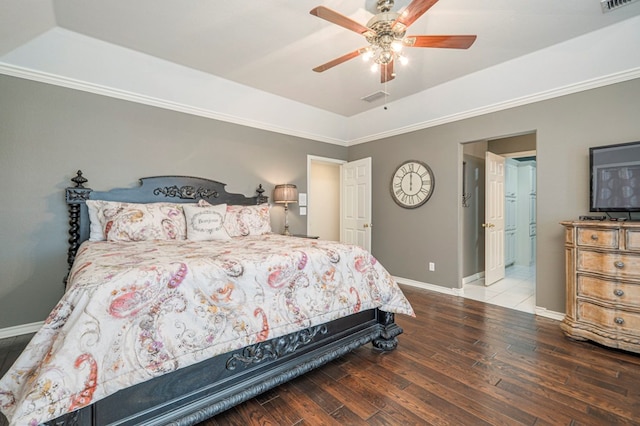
(286, 193)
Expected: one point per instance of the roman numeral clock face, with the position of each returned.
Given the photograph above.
(412, 184)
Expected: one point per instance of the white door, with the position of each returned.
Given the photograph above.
(355, 223)
(494, 218)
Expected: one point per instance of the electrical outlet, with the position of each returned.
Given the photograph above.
(432, 266)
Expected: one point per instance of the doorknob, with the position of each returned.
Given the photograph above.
(368, 225)
(488, 225)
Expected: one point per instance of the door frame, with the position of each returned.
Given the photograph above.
(462, 279)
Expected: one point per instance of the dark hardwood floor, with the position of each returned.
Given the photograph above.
(459, 362)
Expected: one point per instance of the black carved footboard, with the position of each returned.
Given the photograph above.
(195, 393)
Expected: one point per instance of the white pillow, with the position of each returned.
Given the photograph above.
(206, 223)
(248, 220)
(95, 226)
(121, 221)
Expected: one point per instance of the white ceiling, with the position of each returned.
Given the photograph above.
(272, 45)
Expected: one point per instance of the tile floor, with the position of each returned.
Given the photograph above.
(516, 290)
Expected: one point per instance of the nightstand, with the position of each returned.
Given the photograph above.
(313, 237)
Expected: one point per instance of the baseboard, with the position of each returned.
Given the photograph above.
(474, 277)
(427, 286)
(19, 330)
(544, 312)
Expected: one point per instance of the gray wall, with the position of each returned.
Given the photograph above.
(511, 144)
(406, 240)
(48, 132)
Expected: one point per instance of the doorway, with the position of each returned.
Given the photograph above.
(339, 200)
(323, 217)
(517, 289)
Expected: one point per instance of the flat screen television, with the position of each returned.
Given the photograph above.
(615, 178)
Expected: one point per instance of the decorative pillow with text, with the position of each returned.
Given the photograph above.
(206, 222)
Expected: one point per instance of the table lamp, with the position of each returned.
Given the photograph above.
(286, 193)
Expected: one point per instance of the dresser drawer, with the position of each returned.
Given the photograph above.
(608, 291)
(603, 238)
(613, 264)
(612, 319)
(632, 239)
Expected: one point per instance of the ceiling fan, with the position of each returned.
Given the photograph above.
(385, 33)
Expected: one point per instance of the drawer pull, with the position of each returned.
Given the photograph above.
(618, 264)
(618, 292)
(619, 320)
(594, 237)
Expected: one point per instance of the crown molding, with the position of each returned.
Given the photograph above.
(57, 80)
(71, 83)
(511, 103)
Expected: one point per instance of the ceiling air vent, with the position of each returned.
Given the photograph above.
(375, 96)
(609, 5)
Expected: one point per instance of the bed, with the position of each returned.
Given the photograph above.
(173, 329)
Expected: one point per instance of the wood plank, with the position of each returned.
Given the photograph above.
(280, 409)
(304, 407)
(350, 397)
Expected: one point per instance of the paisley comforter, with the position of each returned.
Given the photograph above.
(133, 311)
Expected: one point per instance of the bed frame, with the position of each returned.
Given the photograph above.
(195, 393)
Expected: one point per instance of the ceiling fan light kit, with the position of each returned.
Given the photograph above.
(386, 35)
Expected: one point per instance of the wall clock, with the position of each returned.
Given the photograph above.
(412, 184)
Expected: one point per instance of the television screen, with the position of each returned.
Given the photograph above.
(615, 177)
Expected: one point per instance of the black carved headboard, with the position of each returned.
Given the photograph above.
(178, 189)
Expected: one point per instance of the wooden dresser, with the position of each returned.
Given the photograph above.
(603, 283)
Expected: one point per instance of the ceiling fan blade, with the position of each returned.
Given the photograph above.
(339, 19)
(386, 72)
(447, 42)
(413, 11)
(338, 61)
